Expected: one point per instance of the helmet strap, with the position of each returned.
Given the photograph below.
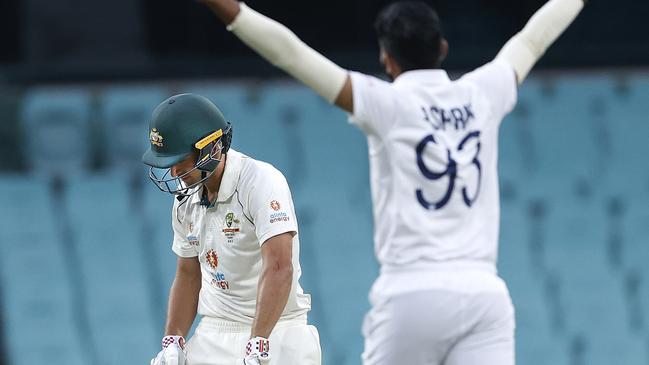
(205, 201)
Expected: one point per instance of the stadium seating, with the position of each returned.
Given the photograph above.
(158, 238)
(56, 130)
(339, 237)
(537, 341)
(115, 266)
(40, 311)
(240, 106)
(123, 124)
(574, 218)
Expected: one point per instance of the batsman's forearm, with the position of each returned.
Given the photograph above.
(183, 303)
(545, 26)
(272, 295)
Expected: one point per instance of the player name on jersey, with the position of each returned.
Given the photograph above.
(439, 118)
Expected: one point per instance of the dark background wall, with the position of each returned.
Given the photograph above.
(123, 39)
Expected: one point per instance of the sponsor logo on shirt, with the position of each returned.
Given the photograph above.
(279, 217)
(212, 259)
(219, 281)
(193, 240)
(191, 237)
(275, 205)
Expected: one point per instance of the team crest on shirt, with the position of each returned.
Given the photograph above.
(229, 220)
(212, 259)
(232, 227)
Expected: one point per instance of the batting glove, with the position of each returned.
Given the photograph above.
(173, 351)
(257, 352)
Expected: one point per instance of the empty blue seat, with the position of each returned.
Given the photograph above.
(612, 347)
(514, 256)
(56, 125)
(626, 116)
(565, 128)
(124, 129)
(516, 152)
(516, 133)
(237, 101)
(316, 137)
(598, 296)
(27, 205)
(575, 229)
(288, 109)
(512, 159)
(539, 348)
(633, 232)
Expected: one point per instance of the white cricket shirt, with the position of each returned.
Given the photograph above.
(433, 148)
(253, 204)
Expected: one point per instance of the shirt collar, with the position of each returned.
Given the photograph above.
(429, 76)
(230, 180)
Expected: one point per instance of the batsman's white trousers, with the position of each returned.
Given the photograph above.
(218, 342)
(439, 317)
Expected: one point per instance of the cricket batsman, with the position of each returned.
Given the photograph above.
(236, 237)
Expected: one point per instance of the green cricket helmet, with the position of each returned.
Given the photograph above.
(180, 126)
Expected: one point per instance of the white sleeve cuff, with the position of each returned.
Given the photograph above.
(180, 249)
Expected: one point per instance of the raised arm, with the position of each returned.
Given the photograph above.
(284, 49)
(545, 26)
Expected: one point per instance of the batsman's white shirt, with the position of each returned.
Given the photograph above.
(253, 204)
(433, 146)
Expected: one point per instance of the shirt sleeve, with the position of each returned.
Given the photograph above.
(181, 245)
(374, 104)
(497, 81)
(271, 205)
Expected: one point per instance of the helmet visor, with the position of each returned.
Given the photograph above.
(166, 182)
(206, 164)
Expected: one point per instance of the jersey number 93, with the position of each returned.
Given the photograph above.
(450, 171)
